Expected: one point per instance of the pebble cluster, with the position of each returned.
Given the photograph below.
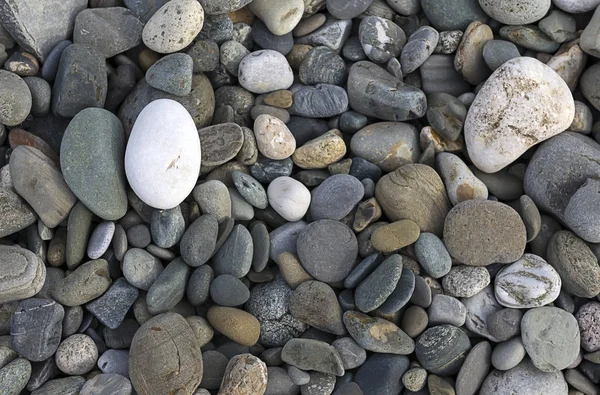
(315, 197)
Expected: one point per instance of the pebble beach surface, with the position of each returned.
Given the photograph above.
(299, 197)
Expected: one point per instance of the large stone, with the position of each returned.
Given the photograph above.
(523, 103)
(84, 284)
(91, 156)
(524, 378)
(309, 354)
(39, 27)
(165, 356)
(315, 303)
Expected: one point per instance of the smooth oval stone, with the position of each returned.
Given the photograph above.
(15, 213)
(415, 192)
(289, 198)
(273, 138)
(514, 12)
(141, 268)
(524, 377)
(498, 52)
(84, 284)
(265, 71)
(172, 74)
(419, 47)
(579, 214)
(93, 148)
(530, 37)
(68, 385)
(169, 287)
(374, 92)
(115, 361)
(575, 263)
(480, 222)
(377, 335)
(351, 353)
(107, 383)
(319, 101)
(381, 39)
(315, 304)
(529, 282)
(491, 112)
(320, 152)
(267, 170)
(453, 15)
(36, 328)
(23, 273)
(167, 227)
(318, 250)
(16, 99)
(81, 81)
(110, 30)
(236, 324)
(402, 294)
(394, 236)
(505, 323)
(240, 208)
(162, 169)
(227, 290)
(173, 26)
(213, 198)
(586, 319)
(220, 143)
(465, 281)
(198, 287)
(442, 349)
(14, 376)
(235, 255)
(432, 255)
(389, 145)
(245, 374)
(508, 354)
(198, 242)
(474, 369)
(373, 291)
(37, 180)
(308, 354)
(76, 355)
(439, 75)
(336, 197)
(550, 337)
(380, 375)
(252, 191)
(156, 353)
(279, 18)
(79, 228)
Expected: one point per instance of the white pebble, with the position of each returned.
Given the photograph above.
(289, 197)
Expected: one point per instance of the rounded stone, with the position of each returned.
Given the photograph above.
(162, 167)
(432, 255)
(165, 344)
(111, 383)
(498, 52)
(273, 138)
(504, 324)
(524, 377)
(265, 71)
(245, 374)
(414, 379)
(167, 227)
(227, 290)
(280, 18)
(414, 321)
(319, 101)
(529, 282)
(235, 255)
(516, 88)
(474, 369)
(315, 303)
(380, 38)
(169, 287)
(236, 324)
(198, 287)
(213, 198)
(322, 66)
(84, 284)
(336, 197)
(172, 74)
(461, 183)
(374, 290)
(327, 250)
(414, 192)
(482, 232)
(454, 14)
(508, 354)
(395, 236)
(465, 281)
(550, 337)
(174, 26)
(320, 152)
(289, 198)
(76, 355)
(141, 268)
(41, 95)
(587, 316)
(15, 375)
(576, 6)
(515, 12)
(220, 143)
(16, 100)
(377, 334)
(442, 349)
(198, 242)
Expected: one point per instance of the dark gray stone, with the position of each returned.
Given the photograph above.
(442, 349)
(498, 52)
(227, 290)
(144, 9)
(319, 101)
(263, 37)
(167, 227)
(198, 287)
(284, 238)
(362, 270)
(14, 376)
(121, 336)
(172, 74)
(529, 37)
(120, 84)
(374, 290)
(81, 81)
(72, 321)
(279, 382)
(315, 304)
(50, 66)
(504, 324)
(169, 288)
(199, 240)
(222, 7)
(432, 255)
(218, 28)
(323, 66)
(381, 38)
(453, 14)
(141, 268)
(351, 122)
(251, 190)
(36, 328)
(419, 47)
(344, 9)
(41, 372)
(319, 384)
(262, 245)
(266, 170)
(381, 373)
(235, 255)
(446, 114)
(308, 354)
(114, 362)
(104, 384)
(111, 308)
(475, 369)
(363, 169)
(41, 95)
(353, 50)
(332, 34)
(139, 236)
(402, 293)
(336, 197)
(305, 129)
(214, 364)
(372, 91)
(205, 55)
(65, 386)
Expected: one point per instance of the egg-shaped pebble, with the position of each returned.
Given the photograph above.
(273, 138)
(265, 71)
(461, 184)
(289, 197)
(162, 159)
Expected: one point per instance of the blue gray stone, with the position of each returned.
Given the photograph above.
(172, 74)
(336, 197)
(319, 101)
(110, 309)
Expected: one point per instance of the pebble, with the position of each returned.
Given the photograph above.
(41, 95)
(446, 309)
(139, 236)
(227, 290)
(386, 97)
(483, 113)
(575, 263)
(23, 273)
(245, 375)
(169, 287)
(315, 304)
(456, 14)
(273, 138)
(114, 362)
(155, 354)
(15, 213)
(381, 374)
(213, 198)
(110, 309)
(236, 324)
(446, 114)
(141, 268)
(560, 27)
(550, 337)
(100, 239)
(395, 236)
(442, 349)
(524, 377)
(235, 255)
(333, 34)
(319, 101)
(439, 75)
(530, 37)
(498, 52)
(107, 383)
(84, 284)
(419, 47)
(508, 354)
(374, 290)
(586, 318)
(432, 255)
(414, 321)
(297, 376)
(505, 323)
(377, 335)
(320, 152)
(68, 385)
(414, 379)
(173, 26)
(149, 178)
(448, 42)
(172, 74)
(479, 222)
(351, 353)
(529, 282)
(292, 270)
(381, 39)
(76, 355)
(36, 328)
(14, 376)
(214, 364)
(336, 197)
(290, 198)
(576, 6)
(308, 354)
(414, 192)
(265, 71)
(474, 369)
(201, 328)
(322, 65)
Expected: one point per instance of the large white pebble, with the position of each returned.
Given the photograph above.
(265, 71)
(289, 197)
(162, 159)
(523, 103)
(174, 26)
(281, 17)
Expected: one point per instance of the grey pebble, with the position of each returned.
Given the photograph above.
(439, 75)
(308, 354)
(241, 210)
(364, 330)
(474, 370)
(199, 240)
(218, 28)
(351, 353)
(446, 114)
(16, 213)
(341, 9)
(198, 287)
(305, 129)
(100, 239)
(381, 39)
(72, 320)
(235, 255)
(284, 239)
(454, 14)
(205, 55)
(263, 37)
(353, 50)
(214, 364)
(169, 287)
(504, 324)
(64, 386)
(231, 54)
(279, 382)
(508, 354)
(297, 376)
(139, 236)
(167, 227)
(14, 376)
(432, 255)
(442, 349)
(172, 74)
(422, 294)
(315, 304)
(319, 101)
(110, 309)
(22, 273)
(524, 377)
(381, 373)
(41, 372)
(374, 290)
(227, 290)
(114, 362)
(141, 268)
(122, 336)
(213, 198)
(419, 47)
(498, 52)
(479, 308)
(320, 384)
(41, 95)
(220, 143)
(332, 34)
(336, 197)
(529, 37)
(362, 270)
(402, 293)
(448, 42)
(50, 66)
(104, 384)
(446, 309)
(262, 244)
(322, 66)
(119, 242)
(250, 189)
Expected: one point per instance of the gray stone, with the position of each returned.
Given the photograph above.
(266, 170)
(374, 290)
(432, 255)
(284, 239)
(448, 42)
(529, 37)
(586, 319)
(72, 321)
(241, 210)
(144, 9)
(479, 308)
(167, 227)
(263, 37)
(381, 373)
(319, 101)
(524, 377)
(446, 309)
(297, 376)
(347, 9)
(16, 98)
(235, 255)
(50, 66)
(231, 55)
(308, 354)
(439, 75)
(79, 228)
(41, 372)
(114, 362)
(402, 294)
(336, 197)
(419, 47)
(265, 71)
(14, 376)
(214, 364)
(504, 324)
(252, 191)
(199, 285)
(320, 384)
(366, 330)
(23, 273)
(38, 28)
(319, 252)
(453, 15)
(110, 31)
(442, 349)
(169, 287)
(81, 81)
(351, 353)
(36, 328)
(110, 308)
(141, 268)
(551, 337)
(579, 215)
(139, 236)
(279, 381)
(474, 370)
(104, 384)
(227, 290)
(508, 354)
(120, 337)
(100, 239)
(67, 386)
(172, 74)
(262, 245)
(222, 7)
(220, 143)
(270, 304)
(315, 304)
(15, 213)
(559, 26)
(446, 114)
(381, 39)
(41, 95)
(198, 241)
(322, 66)
(218, 28)
(332, 34)
(386, 97)
(514, 12)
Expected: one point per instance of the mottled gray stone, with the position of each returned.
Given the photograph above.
(169, 287)
(110, 308)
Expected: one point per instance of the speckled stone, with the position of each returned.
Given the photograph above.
(465, 281)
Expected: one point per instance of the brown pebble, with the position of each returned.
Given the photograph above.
(236, 324)
(245, 375)
(281, 99)
(56, 254)
(396, 235)
(439, 386)
(243, 15)
(291, 270)
(320, 152)
(18, 137)
(147, 58)
(367, 212)
(309, 25)
(297, 55)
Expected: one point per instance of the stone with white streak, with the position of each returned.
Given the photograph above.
(529, 282)
(523, 103)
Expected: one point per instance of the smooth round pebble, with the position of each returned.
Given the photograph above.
(76, 355)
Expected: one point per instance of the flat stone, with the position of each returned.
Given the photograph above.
(236, 324)
(167, 227)
(23, 273)
(15, 213)
(456, 14)
(432, 255)
(319, 101)
(308, 354)
(198, 242)
(220, 143)
(68, 386)
(154, 353)
(498, 52)
(474, 370)
(373, 291)
(446, 309)
(336, 197)
(377, 335)
(227, 290)
(172, 74)
(198, 287)
(235, 255)
(419, 47)
(15, 375)
(442, 349)
(480, 307)
(107, 384)
(111, 307)
(169, 287)
(16, 98)
(84, 284)
(504, 324)
(380, 374)
(315, 304)
(439, 75)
